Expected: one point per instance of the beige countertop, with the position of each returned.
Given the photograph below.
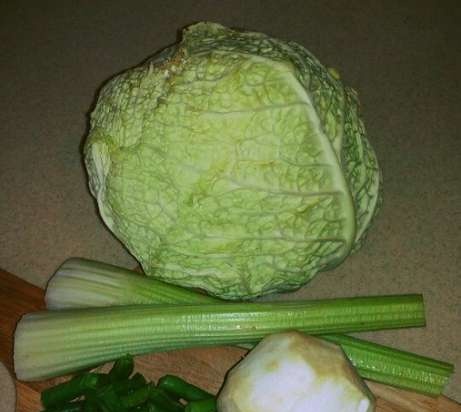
(402, 57)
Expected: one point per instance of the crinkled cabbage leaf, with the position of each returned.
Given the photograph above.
(232, 162)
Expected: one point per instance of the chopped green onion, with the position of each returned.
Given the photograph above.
(51, 343)
(182, 389)
(82, 283)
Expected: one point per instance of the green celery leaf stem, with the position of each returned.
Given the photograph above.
(84, 283)
(395, 367)
(51, 343)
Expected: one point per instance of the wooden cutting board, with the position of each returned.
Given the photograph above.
(203, 367)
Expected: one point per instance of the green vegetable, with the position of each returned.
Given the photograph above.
(395, 367)
(118, 391)
(136, 397)
(69, 390)
(182, 389)
(203, 405)
(90, 406)
(107, 400)
(135, 382)
(151, 407)
(232, 162)
(122, 368)
(67, 407)
(81, 282)
(162, 400)
(96, 335)
(84, 283)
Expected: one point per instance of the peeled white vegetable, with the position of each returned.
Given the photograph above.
(293, 372)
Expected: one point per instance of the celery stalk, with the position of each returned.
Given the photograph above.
(394, 367)
(80, 283)
(51, 343)
(84, 283)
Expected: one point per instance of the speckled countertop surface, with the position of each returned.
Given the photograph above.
(402, 57)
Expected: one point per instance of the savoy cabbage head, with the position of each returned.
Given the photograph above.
(232, 162)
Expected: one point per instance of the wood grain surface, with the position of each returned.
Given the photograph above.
(205, 367)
